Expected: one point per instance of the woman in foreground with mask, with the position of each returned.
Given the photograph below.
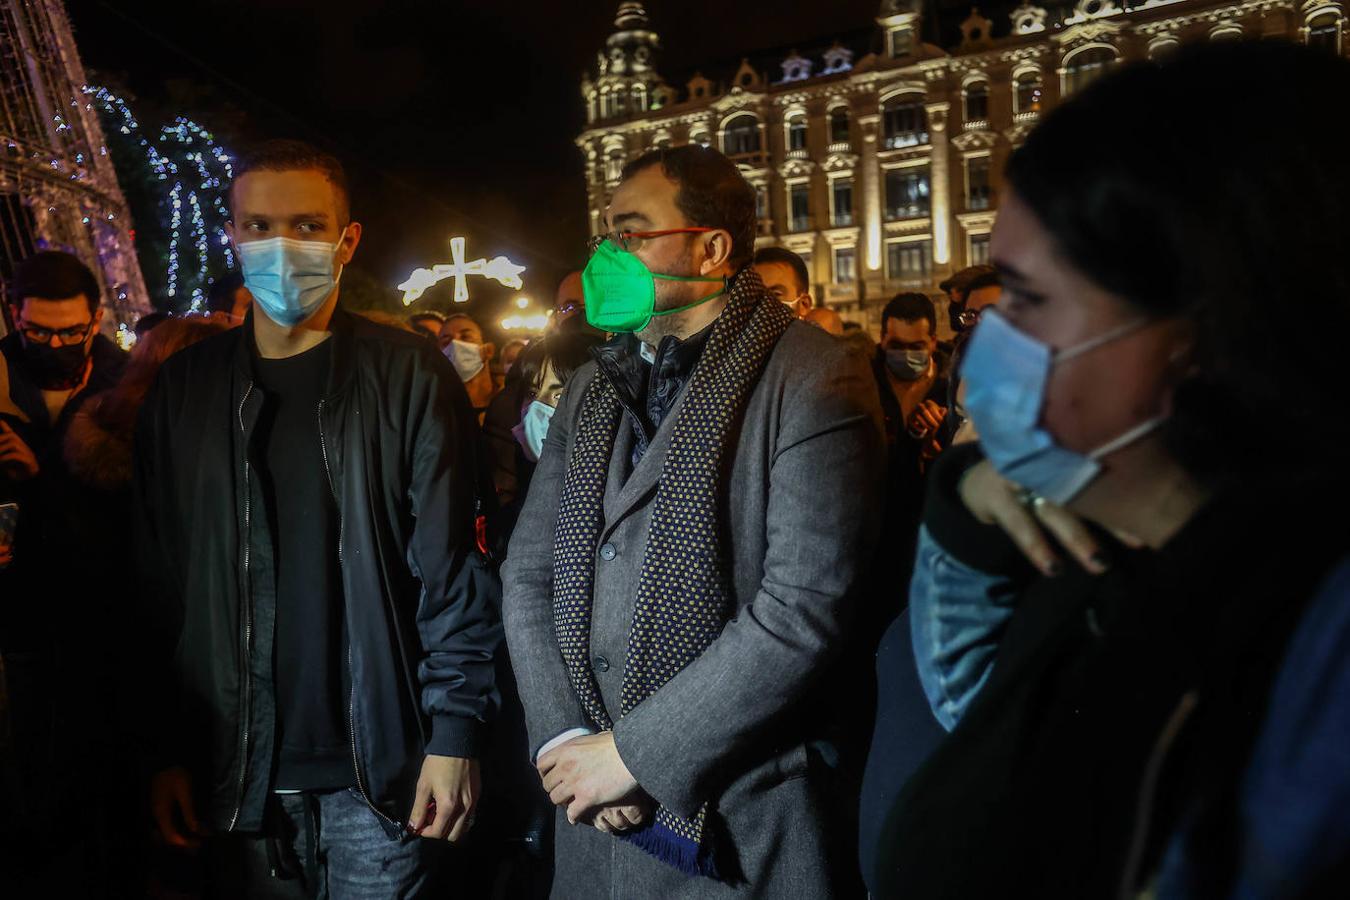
(1128, 595)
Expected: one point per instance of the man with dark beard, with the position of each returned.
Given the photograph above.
(53, 360)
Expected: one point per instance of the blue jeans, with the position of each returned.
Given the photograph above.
(327, 845)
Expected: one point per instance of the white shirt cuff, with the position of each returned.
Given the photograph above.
(560, 740)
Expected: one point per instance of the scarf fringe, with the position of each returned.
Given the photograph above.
(670, 848)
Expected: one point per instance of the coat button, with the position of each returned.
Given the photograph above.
(601, 664)
(607, 552)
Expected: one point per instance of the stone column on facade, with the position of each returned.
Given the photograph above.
(940, 207)
(869, 193)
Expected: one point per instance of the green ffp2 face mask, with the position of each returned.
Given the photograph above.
(621, 291)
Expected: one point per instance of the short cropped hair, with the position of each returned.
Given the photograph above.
(54, 275)
(786, 257)
(292, 156)
(910, 306)
(712, 194)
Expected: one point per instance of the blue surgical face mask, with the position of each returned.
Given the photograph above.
(907, 365)
(290, 279)
(534, 428)
(1005, 372)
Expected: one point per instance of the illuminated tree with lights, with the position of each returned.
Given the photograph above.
(176, 177)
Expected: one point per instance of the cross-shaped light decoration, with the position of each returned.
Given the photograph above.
(499, 269)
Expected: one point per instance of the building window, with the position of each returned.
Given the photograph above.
(904, 124)
(841, 197)
(797, 133)
(910, 262)
(1324, 33)
(839, 125)
(799, 201)
(977, 183)
(1027, 94)
(620, 101)
(979, 250)
(741, 136)
(1085, 67)
(977, 102)
(900, 42)
(907, 193)
(845, 268)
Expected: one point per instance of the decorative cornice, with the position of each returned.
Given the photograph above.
(839, 162)
(796, 168)
(974, 140)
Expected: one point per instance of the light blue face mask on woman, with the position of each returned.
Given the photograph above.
(1005, 372)
(290, 279)
(534, 428)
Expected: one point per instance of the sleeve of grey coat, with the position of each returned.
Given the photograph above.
(551, 706)
(822, 516)
(457, 618)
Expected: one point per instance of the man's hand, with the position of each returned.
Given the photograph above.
(585, 774)
(625, 817)
(170, 803)
(16, 457)
(927, 417)
(449, 785)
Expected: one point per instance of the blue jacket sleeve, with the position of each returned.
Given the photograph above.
(1295, 801)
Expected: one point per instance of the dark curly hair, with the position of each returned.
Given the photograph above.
(713, 192)
(1159, 183)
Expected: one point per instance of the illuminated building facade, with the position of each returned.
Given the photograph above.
(879, 158)
(58, 189)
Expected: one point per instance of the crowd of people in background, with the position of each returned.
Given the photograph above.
(1035, 587)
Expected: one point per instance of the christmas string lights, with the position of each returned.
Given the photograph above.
(196, 173)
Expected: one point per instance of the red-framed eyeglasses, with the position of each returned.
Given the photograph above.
(630, 241)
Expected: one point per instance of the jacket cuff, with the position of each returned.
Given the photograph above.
(455, 736)
(654, 772)
(986, 548)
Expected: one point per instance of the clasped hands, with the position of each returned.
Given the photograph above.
(587, 777)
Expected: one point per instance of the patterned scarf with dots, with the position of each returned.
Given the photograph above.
(683, 598)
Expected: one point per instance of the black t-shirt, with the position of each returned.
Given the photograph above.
(311, 677)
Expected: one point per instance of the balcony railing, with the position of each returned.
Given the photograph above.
(799, 153)
(978, 200)
(1030, 115)
(842, 219)
(841, 147)
(977, 125)
(800, 223)
(912, 211)
(906, 139)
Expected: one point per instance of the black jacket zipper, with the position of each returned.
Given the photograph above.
(248, 621)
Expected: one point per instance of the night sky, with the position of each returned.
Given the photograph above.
(453, 118)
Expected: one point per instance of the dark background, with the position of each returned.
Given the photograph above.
(454, 118)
